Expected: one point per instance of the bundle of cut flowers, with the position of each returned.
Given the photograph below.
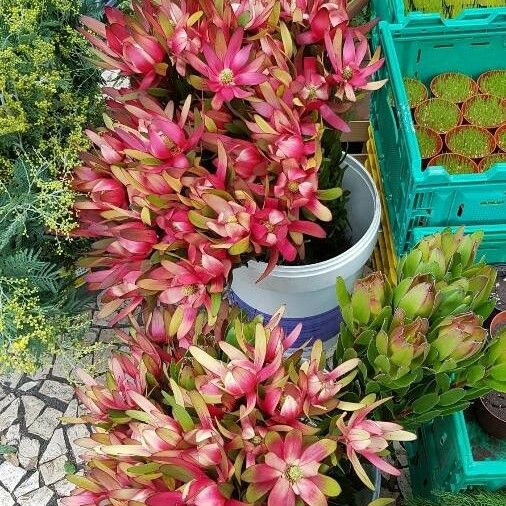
(233, 423)
(214, 153)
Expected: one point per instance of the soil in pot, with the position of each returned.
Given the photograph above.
(500, 138)
(493, 82)
(491, 414)
(491, 160)
(454, 164)
(454, 87)
(439, 114)
(429, 141)
(416, 91)
(486, 111)
(471, 141)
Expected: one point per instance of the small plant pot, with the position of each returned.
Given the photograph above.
(417, 92)
(491, 160)
(498, 323)
(471, 141)
(455, 87)
(493, 82)
(490, 413)
(454, 164)
(429, 142)
(439, 114)
(500, 138)
(486, 111)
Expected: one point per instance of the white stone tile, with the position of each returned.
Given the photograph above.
(77, 432)
(46, 423)
(28, 485)
(9, 415)
(40, 375)
(28, 386)
(5, 498)
(39, 497)
(64, 488)
(11, 380)
(28, 453)
(71, 410)
(10, 475)
(57, 390)
(5, 401)
(55, 448)
(12, 435)
(33, 407)
(53, 471)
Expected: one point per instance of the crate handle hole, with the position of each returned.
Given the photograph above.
(483, 43)
(460, 210)
(443, 439)
(419, 56)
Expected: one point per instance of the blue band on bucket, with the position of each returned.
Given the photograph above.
(323, 326)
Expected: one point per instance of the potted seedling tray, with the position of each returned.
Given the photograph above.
(493, 82)
(487, 111)
(453, 86)
(417, 92)
(420, 197)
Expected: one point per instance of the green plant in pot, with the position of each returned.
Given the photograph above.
(469, 140)
(421, 340)
(464, 498)
(429, 142)
(486, 111)
(493, 82)
(500, 138)
(453, 86)
(439, 114)
(454, 164)
(416, 91)
(489, 161)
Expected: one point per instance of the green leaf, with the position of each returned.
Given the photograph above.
(330, 194)
(443, 381)
(240, 247)
(182, 416)
(475, 374)
(382, 502)
(6, 449)
(382, 363)
(452, 396)
(138, 415)
(425, 403)
(244, 18)
(150, 468)
(176, 472)
(343, 296)
(498, 372)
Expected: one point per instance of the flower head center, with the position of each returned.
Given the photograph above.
(256, 440)
(189, 290)
(293, 187)
(293, 473)
(269, 226)
(232, 219)
(311, 91)
(226, 76)
(347, 73)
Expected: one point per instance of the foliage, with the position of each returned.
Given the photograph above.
(428, 141)
(421, 341)
(223, 149)
(449, 8)
(453, 86)
(485, 110)
(470, 141)
(454, 163)
(439, 114)
(48, 94)
(416, 91)
(468, 498)
(494, 83)
(235, 421)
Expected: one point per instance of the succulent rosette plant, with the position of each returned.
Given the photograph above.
(213, 155)
(234, 423)
(422, 341)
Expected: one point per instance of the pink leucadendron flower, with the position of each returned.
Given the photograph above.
(291, 470)
(227, 70)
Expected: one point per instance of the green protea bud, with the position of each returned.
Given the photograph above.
(407, 344)
(370, 296)
(416, 296)
(457, 337)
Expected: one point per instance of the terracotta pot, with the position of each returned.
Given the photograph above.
(438, 142)
(482, 80)
(490, 413)
(500, 138)
(498, 322)
(473, 87)
(493, 102)
(447, 108)
(490, 141)
(490, 160)
(444, 158)
(425, 93)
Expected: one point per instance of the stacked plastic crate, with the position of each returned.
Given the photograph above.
(421, 202)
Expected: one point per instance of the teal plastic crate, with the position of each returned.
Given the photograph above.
(452, 454)
(423, 47)
(393, 11)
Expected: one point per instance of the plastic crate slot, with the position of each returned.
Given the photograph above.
(460, 210)
(478, 43)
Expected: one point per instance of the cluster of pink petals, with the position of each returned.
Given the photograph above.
(237, 424)
(211, 156)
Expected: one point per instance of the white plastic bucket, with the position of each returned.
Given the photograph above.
(308, 291)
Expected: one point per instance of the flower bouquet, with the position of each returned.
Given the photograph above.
(224, 147)
(233, 421)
